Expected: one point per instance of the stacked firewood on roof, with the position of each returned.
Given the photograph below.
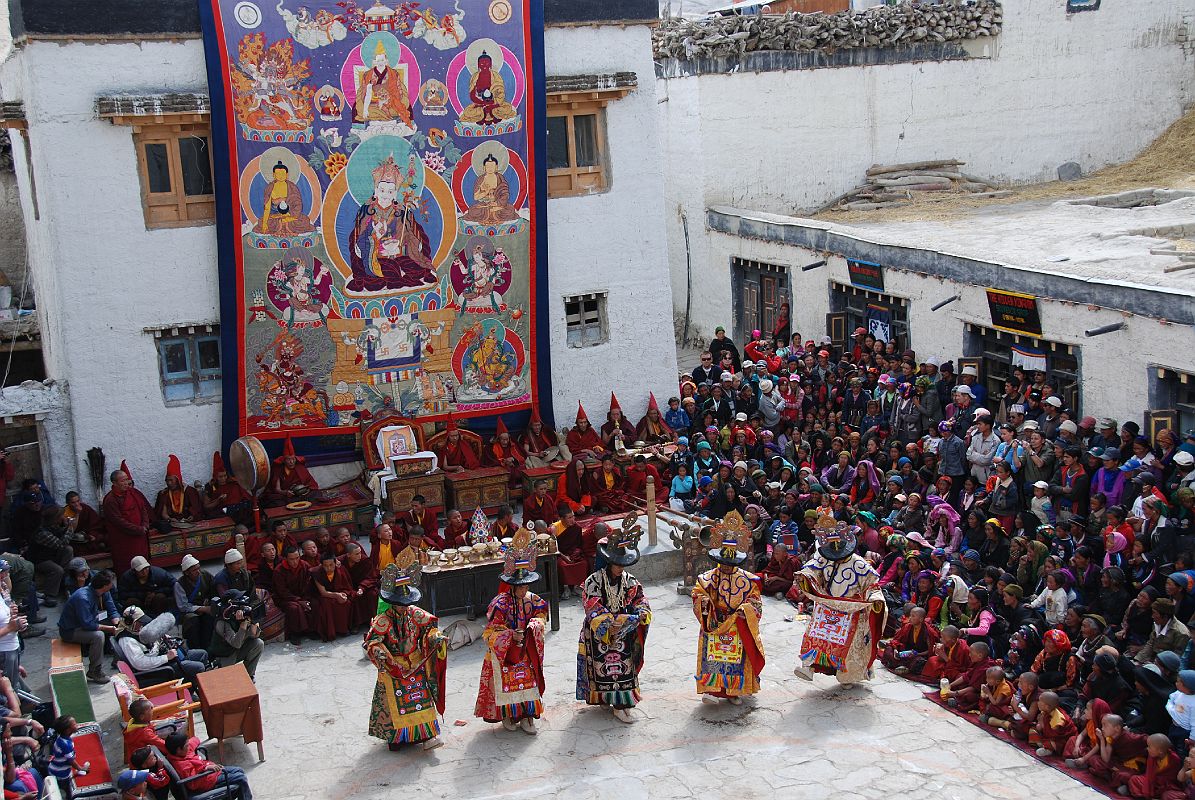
(895, 185)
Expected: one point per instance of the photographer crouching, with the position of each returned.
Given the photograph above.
(148, 646)
(238, 632)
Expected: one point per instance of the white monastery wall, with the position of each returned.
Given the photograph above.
(1094, 87)
(103, 277)
(612, 241)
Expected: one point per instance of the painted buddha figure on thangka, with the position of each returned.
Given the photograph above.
(382, 92)
(489, 364)
(487, 93)
(481, 275)
(491, 193)
(389, 248)
(282, 208)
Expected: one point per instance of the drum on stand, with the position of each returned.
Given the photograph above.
(251, 468)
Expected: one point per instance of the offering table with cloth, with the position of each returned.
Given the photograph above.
(400, 491)
(470, 586)
(231, 707)
(206, 539)
(349, 504)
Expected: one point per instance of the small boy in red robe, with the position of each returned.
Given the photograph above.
(909, 649)
(1117, 749)
(418, 514)
(965, 689)
(1025, 709)
(366, 584)
(1161, 770)
(951, 657)
(504, 526)
(572, 563)
(1054, 727)
(538, 507)
(141, 732)
(995, 696)
(333, 603)
(456, 530)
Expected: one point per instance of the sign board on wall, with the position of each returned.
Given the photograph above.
(1075, 6)
(1014, 312)
(866, 275)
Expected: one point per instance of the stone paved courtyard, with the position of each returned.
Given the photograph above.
(794, 740)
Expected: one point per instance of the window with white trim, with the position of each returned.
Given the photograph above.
(585, 319)
(189, 363)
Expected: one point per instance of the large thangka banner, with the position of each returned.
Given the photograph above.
(380, 209)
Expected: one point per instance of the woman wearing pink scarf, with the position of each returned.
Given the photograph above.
(1114, 545)
(944, 525)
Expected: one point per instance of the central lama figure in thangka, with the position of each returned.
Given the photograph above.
(390, 249)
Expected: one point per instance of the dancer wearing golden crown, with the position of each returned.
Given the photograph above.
(610, 653)
(512, 674)
(843, 637)
(410, 654)
(727, 602)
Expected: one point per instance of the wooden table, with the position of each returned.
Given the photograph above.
(206, 540)
(487, 487)
(231, 707)
(400, 491)
(471, 587)
(352, 507)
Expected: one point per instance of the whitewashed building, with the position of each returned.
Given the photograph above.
(120, 283)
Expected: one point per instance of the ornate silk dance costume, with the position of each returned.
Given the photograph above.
(609, 657)
(410, 654)
(512, 675)
(730, 654)
(849, 612)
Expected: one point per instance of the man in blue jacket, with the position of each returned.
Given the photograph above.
(89, 614)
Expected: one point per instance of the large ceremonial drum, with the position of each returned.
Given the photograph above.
(250, 464)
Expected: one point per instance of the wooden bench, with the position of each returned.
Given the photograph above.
(65, 654)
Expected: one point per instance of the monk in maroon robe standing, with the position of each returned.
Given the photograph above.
(504, 452)
(289, 479)
(127, 519)
(292, 594)
(366, 582)
(178, 501)
(573, 564)
(455, 455)
(334, 595)
(583, 441)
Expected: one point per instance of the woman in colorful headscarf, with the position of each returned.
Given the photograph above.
(1114, 546)
(942, 526)
(1057, 667)
(895, 557)
(993, 550)
(1025, 558)
(864, 486)
(914, 563)
(870, 540)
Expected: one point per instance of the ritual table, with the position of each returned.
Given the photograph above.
(469, 588)
(230, 706)
(349, 504)
(487, 488)
(205, 540)
(402, 489)
(549, 475)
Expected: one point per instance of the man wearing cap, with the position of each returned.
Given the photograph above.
(1109, 479)
(969, 377)
(1038, 460)
(147, 586)
(127, 519)
(1168, 633)
(614, 630)
(410, 653)
(1051, 416)
(193, 593)
(1106, 435)
(132, 784)
(962, 410)
(143, 643)
(841, 584)
(981, 447)
(1183, 474)
(512, 671)
(952, 455)
(728, 604)
(720, 344)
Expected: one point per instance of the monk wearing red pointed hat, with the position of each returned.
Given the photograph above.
(583, 440)
(178, 502)
(505, 452)
(652, 428)
(455, 455)
(127, 520)
(616, 426)
(541, 445)
(224, 496)
(289, 479)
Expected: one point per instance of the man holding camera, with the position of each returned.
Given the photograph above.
(147, 645)
(238, 634)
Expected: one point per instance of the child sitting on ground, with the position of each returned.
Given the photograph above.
(995, 696)
(951, 657)
(1119, 749)
(1024, 706)
(1161, 771)
(909, 649)
(1181, 706)
(1053, 728)
(187, 762)
(965, 688)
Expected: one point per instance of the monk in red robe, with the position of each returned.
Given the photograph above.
(652, 428)
(780, 571)
(576, 488)
(573, 564)
(366, 583)
(1054, 728)
(456, 530)
(419, 514)
(504, 452)
(616, 426)
(504, 526)
(224, 496)
(83, 519)
(289, 479)
(541, 445)
(455, 455)
(951, 657)
(611, 494)
(178, 501)
(127, 520)
(583, 441)
(383, 546)
(538, 506)
(911, 646)
(636, 480)
(292, 594)
(334, 595)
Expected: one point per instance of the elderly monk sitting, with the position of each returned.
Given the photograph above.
(455, 455)
(289, 479)
(779, 571)
(178, 502)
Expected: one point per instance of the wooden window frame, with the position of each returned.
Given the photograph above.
(187, 210)
(196, 377)
(577, 322)
(574, 181)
